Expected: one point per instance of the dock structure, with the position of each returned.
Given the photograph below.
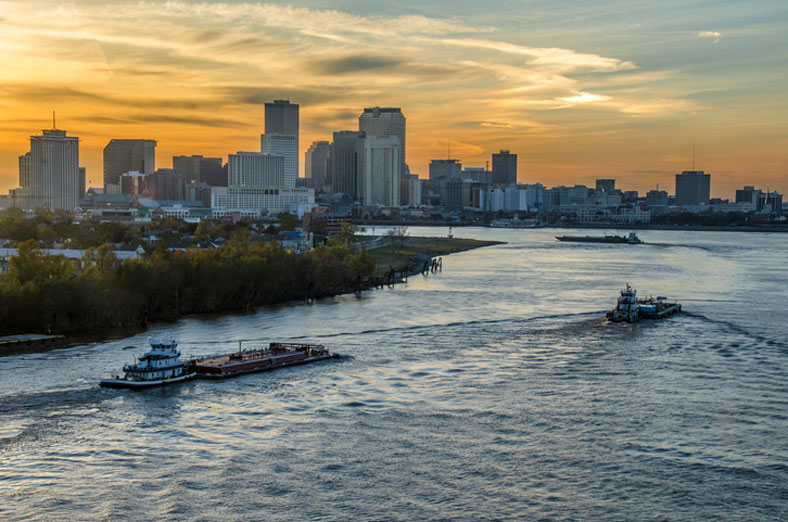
(13, 344)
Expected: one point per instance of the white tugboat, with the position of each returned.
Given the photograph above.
(161, 365)
(627, 308)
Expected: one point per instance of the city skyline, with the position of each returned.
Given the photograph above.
(578, 93)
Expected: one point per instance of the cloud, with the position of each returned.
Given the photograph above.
(716, 36)
(586, 97)
(357, 63)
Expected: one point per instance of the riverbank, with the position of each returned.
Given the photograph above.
(398, 254)
(381, 260)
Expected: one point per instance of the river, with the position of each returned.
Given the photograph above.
(493, 390)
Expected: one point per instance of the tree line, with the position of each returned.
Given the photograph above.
(43, 293)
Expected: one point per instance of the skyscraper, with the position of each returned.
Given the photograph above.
(445, 169)
(287, 146)
(54, 170)
(255, 169)
(281, 117)
(605, 185)
(379, 182)
(24, 170)
(199, 168)
(692, 188)
(316, 164)
(121, 156)
(504, 168)
(346, 151)
(385, 122)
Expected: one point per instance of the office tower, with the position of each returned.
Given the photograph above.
(504, 168)
(256, 169)
(200, 169)
(166, 185)
(24, 170)
(445, 169)
(385, 122)
(605, 185)
(83, 174)
(281, 117)
(128, 155)
(316, 164)
(285, 145)
(346, 152)
(379, 183)
(692, 188)
(54, 170)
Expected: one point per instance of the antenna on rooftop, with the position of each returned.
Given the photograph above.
(54, 126)
(693, 154)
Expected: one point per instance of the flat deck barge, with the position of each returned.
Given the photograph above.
(275, 355)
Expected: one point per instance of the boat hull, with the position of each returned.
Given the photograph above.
(139, 385)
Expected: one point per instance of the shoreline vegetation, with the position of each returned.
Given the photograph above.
(107, 298)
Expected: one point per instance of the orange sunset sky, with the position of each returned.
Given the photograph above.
(613, 89)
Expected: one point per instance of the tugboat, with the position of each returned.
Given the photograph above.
(627, 308)
(161, 365)
(631, 309)
(631, 239)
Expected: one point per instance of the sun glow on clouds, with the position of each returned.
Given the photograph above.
(194, 76)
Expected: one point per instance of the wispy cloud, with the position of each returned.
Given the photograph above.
(714, 35)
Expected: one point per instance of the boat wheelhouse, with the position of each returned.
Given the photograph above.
(627, 309)
(161, 365)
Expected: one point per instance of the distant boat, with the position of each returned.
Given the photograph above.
(631, 239)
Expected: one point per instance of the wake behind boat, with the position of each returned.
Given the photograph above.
(161, 365)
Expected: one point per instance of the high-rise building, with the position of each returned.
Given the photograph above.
(24, 170)
(606, 185)
(504, 168)
(657, 201)
(287, 146)
(346, 151)
(121, 156)
(256, 169)
(201, 169)
(692, 188)
(166, 185)
(281, 117)
(445, 169)
(316, 164)
(54, 170)
(385, 122)
(379, 183)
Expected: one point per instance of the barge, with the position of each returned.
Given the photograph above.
(631, 239)
(275, 355)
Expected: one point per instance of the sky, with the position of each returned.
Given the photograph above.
(579, 90)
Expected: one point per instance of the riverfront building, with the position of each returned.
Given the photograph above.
(504, 168)
(54, 171)
(692, 188)
(445, 169)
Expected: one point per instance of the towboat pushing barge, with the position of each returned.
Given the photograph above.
(162, 364)
(275, 355)
(630, 309)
